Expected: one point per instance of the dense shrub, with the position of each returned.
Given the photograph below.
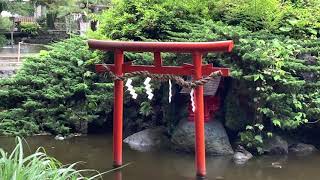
(301, 22)
(6, 24)
(30, 28)
(3, 40)
(251, 14)
(274, 76)
(54, 91)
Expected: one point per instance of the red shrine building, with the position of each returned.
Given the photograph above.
(212, 100)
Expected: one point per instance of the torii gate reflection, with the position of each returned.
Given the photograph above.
(197, 70)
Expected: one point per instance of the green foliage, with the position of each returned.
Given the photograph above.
(253, 137)
(251, 14)
(236, 110)
(143, 20)
(3, 40)
(20, 7)
(301, 22)
(275, 67)
(37, 166)
(54, 91)
(276, 76)
(3, 5)
(31, 28)
(6, 24)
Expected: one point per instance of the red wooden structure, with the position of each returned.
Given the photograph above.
(196, 70)
(211, 106)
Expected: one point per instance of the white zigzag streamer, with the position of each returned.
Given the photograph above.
(192, 100)
(170, 90)
(130, 89)
(148, 88)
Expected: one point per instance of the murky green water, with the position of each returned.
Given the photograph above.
(96, 151)
(24, 49)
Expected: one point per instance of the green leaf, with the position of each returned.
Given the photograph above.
(259, 150)
(256, 77)
(80, 62)
(260, 126)
(258, 138)
(293, 21)
(276, 77)
(312, 31)
(276, 122)
(285, 29)
(248, 127)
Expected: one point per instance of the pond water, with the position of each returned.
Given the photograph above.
(96, 152)
(24, 49)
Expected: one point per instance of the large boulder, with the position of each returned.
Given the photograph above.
(301, 148)
(275, 145)
(217, 141)
(148, 139)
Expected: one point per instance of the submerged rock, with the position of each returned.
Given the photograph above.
(59, 137)
(301, 148)
(241, 155)
(275, 146)
(147, 139)
(217, 141)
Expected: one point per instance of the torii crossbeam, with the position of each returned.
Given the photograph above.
(197, 70)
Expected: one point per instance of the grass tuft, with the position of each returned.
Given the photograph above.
(37, 166)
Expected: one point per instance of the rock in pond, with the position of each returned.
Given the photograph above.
(241, 155)
(217, 141)
(59, 137)
(148, 139)
(276, 145)
(301, 148)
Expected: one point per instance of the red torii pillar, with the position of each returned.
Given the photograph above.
(197, 70)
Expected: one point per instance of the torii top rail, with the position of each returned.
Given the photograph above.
(197, 70)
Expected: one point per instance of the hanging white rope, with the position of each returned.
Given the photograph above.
(170, 90)
(192, 100)
(148, 87)
(130, 89)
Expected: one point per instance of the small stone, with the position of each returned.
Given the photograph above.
(276, 165)
(59, 137)
(241, 155)
(219, 178)
(301, 148)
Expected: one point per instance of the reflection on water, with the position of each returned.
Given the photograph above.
(96, 151)
(25, 49)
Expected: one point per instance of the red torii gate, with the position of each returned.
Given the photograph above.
(197, 70)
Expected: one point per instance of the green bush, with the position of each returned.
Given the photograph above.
(301, 22)
(251, 14)
(3, 40)
(6, 24)
(274, 72)
(252, 137)
(30, 27)
(54, 91)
